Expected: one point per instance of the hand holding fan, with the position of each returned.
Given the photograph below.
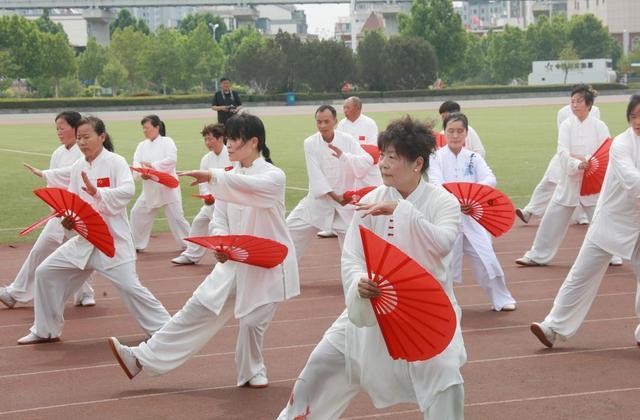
(594, 175)
(413, 311)
(356, 195)
(489, 207)
(247, 249)
(157, 176)
(373, 151)
(205, 197)
(86, 221)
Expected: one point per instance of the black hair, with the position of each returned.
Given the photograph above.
(456, 116)
(155, 121)
(634, 101)
(322, 108)
(71, 117)
(246, 126)
(586, 91)
(224, 79)
(99, 128)
(410, 138)
(449, 106)
(216, 130)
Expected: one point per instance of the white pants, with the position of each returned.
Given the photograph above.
(57, 279)
(541, 196)
(199, 227)
(494, 287)
(194, 326)
(580, 288)
(302, 233)
(22, 287)
(552, 231)
(323, 390)
(142, 221)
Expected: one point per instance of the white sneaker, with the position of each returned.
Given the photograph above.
(543, 333)
(31, 338)
(182, 260)
(523, 215)
(86, 301)
(616, 261)
(6, 298)
(125, 357)
(258, 381)
(326, 234)
(509, 307)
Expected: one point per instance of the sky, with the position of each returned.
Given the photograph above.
(321, 18)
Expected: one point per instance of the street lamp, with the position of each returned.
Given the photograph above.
(213, 28)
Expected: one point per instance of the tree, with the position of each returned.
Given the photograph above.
(437, 22)
(411, 63)
(21, 38)
(126, 20)
(8, 68)
(569, 60)
(114, 74)
(507, 55)
(203, 57)
(257, 62)
(45, 24)
(191, 22)
(59, 58)
(328, 64)
(546, 38)
(370, 59)
(232, 40)
(589, 37)
(292, 51)
(91, 61)
(129, 47)
(474, 63)
(163, 60)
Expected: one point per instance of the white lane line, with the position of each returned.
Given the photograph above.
(23, 152)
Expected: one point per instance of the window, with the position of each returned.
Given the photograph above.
(590, 64)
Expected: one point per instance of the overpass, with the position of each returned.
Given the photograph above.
(106, 4)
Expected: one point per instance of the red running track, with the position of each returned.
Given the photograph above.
(509, 374)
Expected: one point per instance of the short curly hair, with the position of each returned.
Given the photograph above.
(410, 138)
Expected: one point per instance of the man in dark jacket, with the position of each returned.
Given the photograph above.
(225, 101)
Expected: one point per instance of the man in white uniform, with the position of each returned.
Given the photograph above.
(334, 162)
(614, 230)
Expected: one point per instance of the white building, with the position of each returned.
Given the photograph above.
(618, 15)
(551, 72)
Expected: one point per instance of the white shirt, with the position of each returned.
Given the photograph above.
(566, 112)
(425, 227)
(365, 130)
(327, 173)
(162, 154)
(472, 142)
(212, 161)
(577, 140)
(110, 202)
(250, 201)
(616, 222)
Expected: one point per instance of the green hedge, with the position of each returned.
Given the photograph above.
(80, 103)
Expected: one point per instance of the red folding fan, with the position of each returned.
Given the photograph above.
(594, 175)
(373, 151)
(206, 197)
(490, 207)
(356, 195)
(87, 222)
(413, 311)
(157, 176)
(441, 140)
(246, 249)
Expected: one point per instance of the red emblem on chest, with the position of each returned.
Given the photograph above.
(103, 182)
(228, 168)
(361, 138)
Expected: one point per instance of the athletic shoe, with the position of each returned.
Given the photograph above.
(527, 262)
(182, 260)
(615, 261)
(326, 234)
(543, 333)
(509, 307)
(86, 301)
(125, 357)
(524, 215)
(31, 338)
(6, 298)
(258, 381)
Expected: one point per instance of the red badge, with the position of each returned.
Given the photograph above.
(361, 138)
(103, 182)
(228, 168)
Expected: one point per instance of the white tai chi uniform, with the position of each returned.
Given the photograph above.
(352, 355)
(57, 176)
(614, 230)
(543, 192)
(162, 154)
(474, 240)
(249, 201)
(317, 211)
(65, 270)
(365, 130)
(201, 223)
(576, 140)
(472, 142)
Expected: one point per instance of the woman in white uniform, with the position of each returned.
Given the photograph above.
(216, 158)
(422, 220)
(160, 153)
(57, 176)
(455, 163)
(614, 230)
(579, 137)
(249, 201)
(102, 179)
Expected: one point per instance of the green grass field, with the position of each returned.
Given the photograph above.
(519, 143)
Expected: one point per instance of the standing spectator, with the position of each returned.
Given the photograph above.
(226, 101)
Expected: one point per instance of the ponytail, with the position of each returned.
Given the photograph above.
(155, 121)
(246, 126)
